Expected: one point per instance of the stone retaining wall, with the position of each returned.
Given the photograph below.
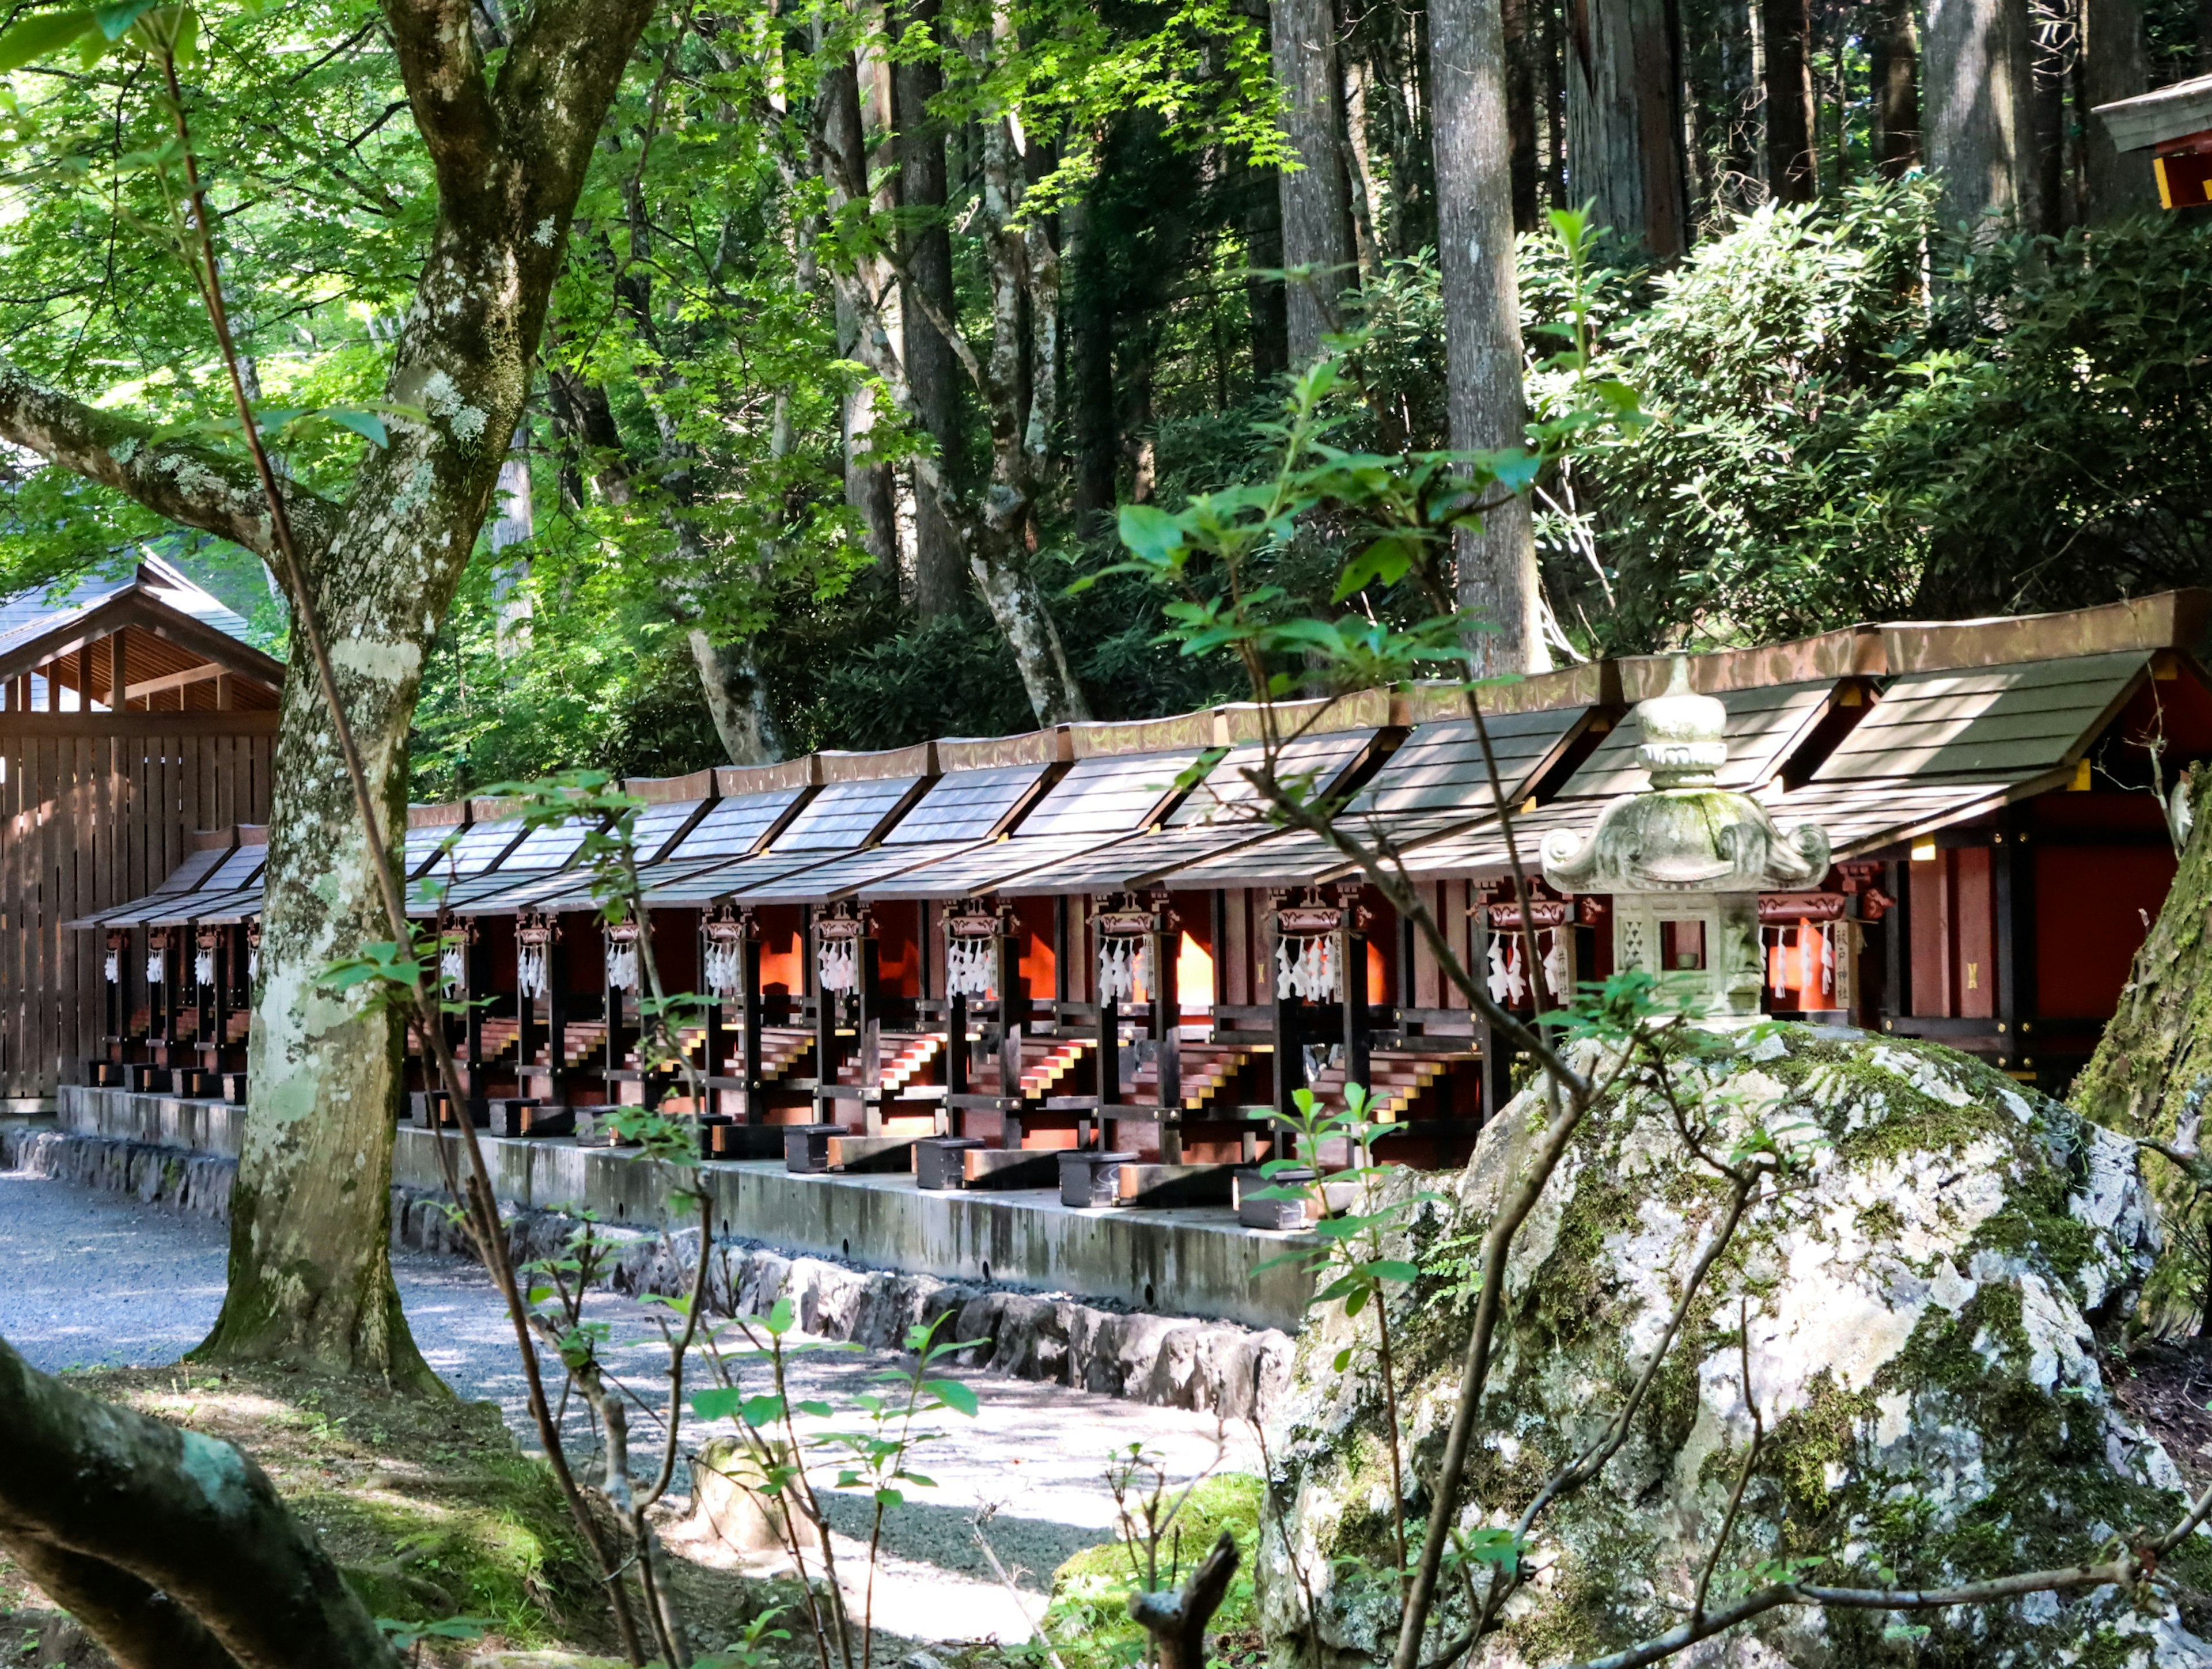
(1170, 1361)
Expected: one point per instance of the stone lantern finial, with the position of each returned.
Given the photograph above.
(1685, 860)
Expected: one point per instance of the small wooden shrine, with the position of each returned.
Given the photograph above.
(2174, 124)
(1085, 959)
(132, 714)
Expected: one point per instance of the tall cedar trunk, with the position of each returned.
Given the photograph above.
(1482, 318)
(1623, 131)
(940, 577)
(869, 488)
(1893, 53)
(2048, 70)
(512, 523)
(1977, 118)
(2153, 1067)
(1555, 102)
(1519, 111)
(1316, 218)
(1265, 304)
(2113, 67)
(1792, 173)
(1098, 433)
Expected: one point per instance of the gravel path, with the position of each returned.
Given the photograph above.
(98, 1281)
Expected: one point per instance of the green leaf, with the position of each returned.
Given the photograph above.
(366, 424)
(954, 1394)
(115, 21)
(719, 1402)
(35, 37)
(1151, 532)
(780, 1318)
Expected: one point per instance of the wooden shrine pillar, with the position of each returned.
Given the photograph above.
(1897, 944)
(161, 992)
(1496, 1066)
(475, 986)
(1352, 959)
(1110, 1086)
(536, 935)
(956, 1056)
(1162, 941)
(2014, 861)
(1014, 1024)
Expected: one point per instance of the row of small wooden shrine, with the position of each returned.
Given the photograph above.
(1086, 954)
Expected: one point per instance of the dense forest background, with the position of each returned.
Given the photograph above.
(1912, 340)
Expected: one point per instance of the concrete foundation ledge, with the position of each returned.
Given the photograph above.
(1173, 1362)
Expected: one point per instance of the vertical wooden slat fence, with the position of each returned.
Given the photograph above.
(95, 810)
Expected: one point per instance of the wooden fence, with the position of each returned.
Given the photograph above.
(95, 810)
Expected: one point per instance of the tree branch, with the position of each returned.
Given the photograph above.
(190, 484)
(443, 73)
(95, 1495)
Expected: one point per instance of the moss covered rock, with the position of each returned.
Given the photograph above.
(1919, 1306)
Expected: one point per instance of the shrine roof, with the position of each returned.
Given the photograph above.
(840, 877)
(188, 876)
(847, 815)
(970, 805)
(1766, 725)
(1992, 721)
(985, 867)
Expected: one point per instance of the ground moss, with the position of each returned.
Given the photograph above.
(1089, 1621)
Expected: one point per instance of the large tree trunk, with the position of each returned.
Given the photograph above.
(1265, 304)
(1978, 119)
(171, 1549)
(1317, 246)
(940, 577)
(1521, 99)
(310, 1281)
(2113, 66)
(1792, 172)
(1624, 126)
(1482, 316)
(737, 699)
(2153, 1067)
(1894, 55)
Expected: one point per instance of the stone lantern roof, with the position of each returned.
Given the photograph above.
(1685, 860)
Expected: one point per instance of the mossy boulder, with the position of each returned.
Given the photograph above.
(1920, 1307)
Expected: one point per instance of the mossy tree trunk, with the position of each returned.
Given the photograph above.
(2152, 1069)
(2154, 1065)
(310, 1278)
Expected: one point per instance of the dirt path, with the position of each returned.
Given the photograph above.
(96, 1281)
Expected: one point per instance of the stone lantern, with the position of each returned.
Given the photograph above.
(1685, 860)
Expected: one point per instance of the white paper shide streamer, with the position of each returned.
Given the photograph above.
(622, 965)
(204, 965)
(724, 968)
(452, 969)
(1123, 969)
(530, 970)
(157, 968)
(837, 965)
(112, 971)
(1307, 966)
(972, 968)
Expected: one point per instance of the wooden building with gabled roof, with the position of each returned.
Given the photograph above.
(133, 714)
